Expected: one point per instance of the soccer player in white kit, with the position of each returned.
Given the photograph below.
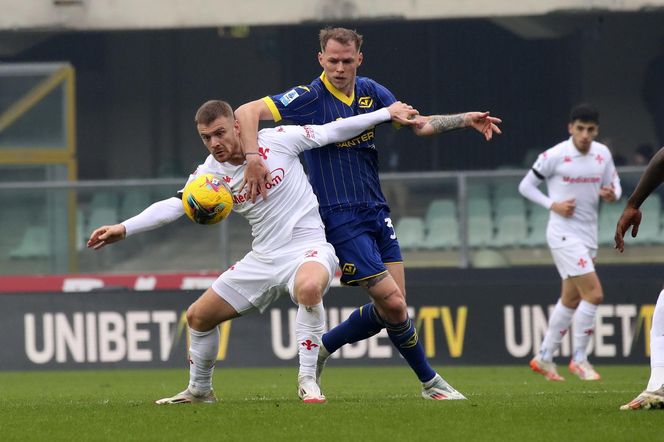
(653, 396)
(578, 172)
(289, 252)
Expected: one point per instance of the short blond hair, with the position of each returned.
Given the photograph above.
(342, 35)
(211, 110)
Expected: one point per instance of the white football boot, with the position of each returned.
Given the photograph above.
(187, 397)
(584, 371)
(309, 391)
(647, 400)
(546, 369)
(437, 389)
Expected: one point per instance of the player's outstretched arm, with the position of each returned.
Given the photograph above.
(156, 215)
(343, 129)
(106, 235)
(482, 122)
(256, 174)
(631, 216)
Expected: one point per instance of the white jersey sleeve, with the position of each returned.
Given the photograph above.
(529, 188)
(611, 178)
(158, 214)
(546, 163)
(301, 138)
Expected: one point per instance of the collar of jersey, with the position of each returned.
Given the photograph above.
(572, 150)
(336, 92)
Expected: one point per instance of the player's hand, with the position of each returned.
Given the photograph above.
(483, 123)
(256, 176)
(631, 217)
(607, 193)
(403, 113)
(106, 235)
(564, 208)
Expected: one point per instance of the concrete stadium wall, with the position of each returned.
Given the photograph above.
(463, 317)
(157, 14)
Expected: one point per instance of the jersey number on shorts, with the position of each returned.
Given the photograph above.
(388, 221)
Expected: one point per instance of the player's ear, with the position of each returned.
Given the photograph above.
(320, 59)
(360, 57)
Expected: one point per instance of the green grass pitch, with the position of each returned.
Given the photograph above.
(507, 403)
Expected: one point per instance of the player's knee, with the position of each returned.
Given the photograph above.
(195, 318)
(309, 293)
(393, 307)
(596, 297)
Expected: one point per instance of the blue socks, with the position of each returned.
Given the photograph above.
(365, 322)
(405, 339)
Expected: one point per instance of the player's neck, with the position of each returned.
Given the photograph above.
(238, 158)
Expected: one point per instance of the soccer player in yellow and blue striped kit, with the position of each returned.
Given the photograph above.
(344, 177)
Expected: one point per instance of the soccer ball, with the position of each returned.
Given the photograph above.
(207, 199)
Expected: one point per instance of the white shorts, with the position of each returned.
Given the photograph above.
(574, 259)
(257, 280)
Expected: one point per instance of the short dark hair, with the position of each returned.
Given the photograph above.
(585, 112)
(211, 110)
(342, 35)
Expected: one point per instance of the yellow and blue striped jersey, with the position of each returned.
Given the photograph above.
(343, 175)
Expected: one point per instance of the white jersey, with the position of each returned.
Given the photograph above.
(569, 174)
(291, 202)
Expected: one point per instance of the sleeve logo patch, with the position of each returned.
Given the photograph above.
(365, 102)
(288, 97)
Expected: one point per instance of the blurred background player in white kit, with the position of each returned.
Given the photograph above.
(578, 172)
(289, 253)
(653, 395)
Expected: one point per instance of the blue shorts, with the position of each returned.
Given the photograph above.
(364, 241)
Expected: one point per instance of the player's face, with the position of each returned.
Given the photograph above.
(340, 62)
(221, 138)
(583, 133)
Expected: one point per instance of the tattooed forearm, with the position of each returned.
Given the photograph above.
(446, 123)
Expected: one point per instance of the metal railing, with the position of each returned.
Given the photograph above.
(40, 236)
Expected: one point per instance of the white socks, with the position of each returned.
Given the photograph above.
(657, 346)
(309, 328)
(559, 323)
(203, 349)
(584, 327)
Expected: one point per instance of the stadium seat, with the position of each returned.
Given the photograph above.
(479, 207)
(538, 220)
(101, 216)
(440, 208)
(609, 213)
(509, 206)
(511, 231)
(442, 233)
(506, 189)
(649, 230)
(34, 244)
(133, 203)
(478, 190)
(480, 231)
(104, 199)
(410, 232)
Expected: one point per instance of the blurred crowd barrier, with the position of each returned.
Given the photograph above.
(442, 219)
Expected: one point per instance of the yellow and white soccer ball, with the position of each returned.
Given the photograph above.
(207, 199)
